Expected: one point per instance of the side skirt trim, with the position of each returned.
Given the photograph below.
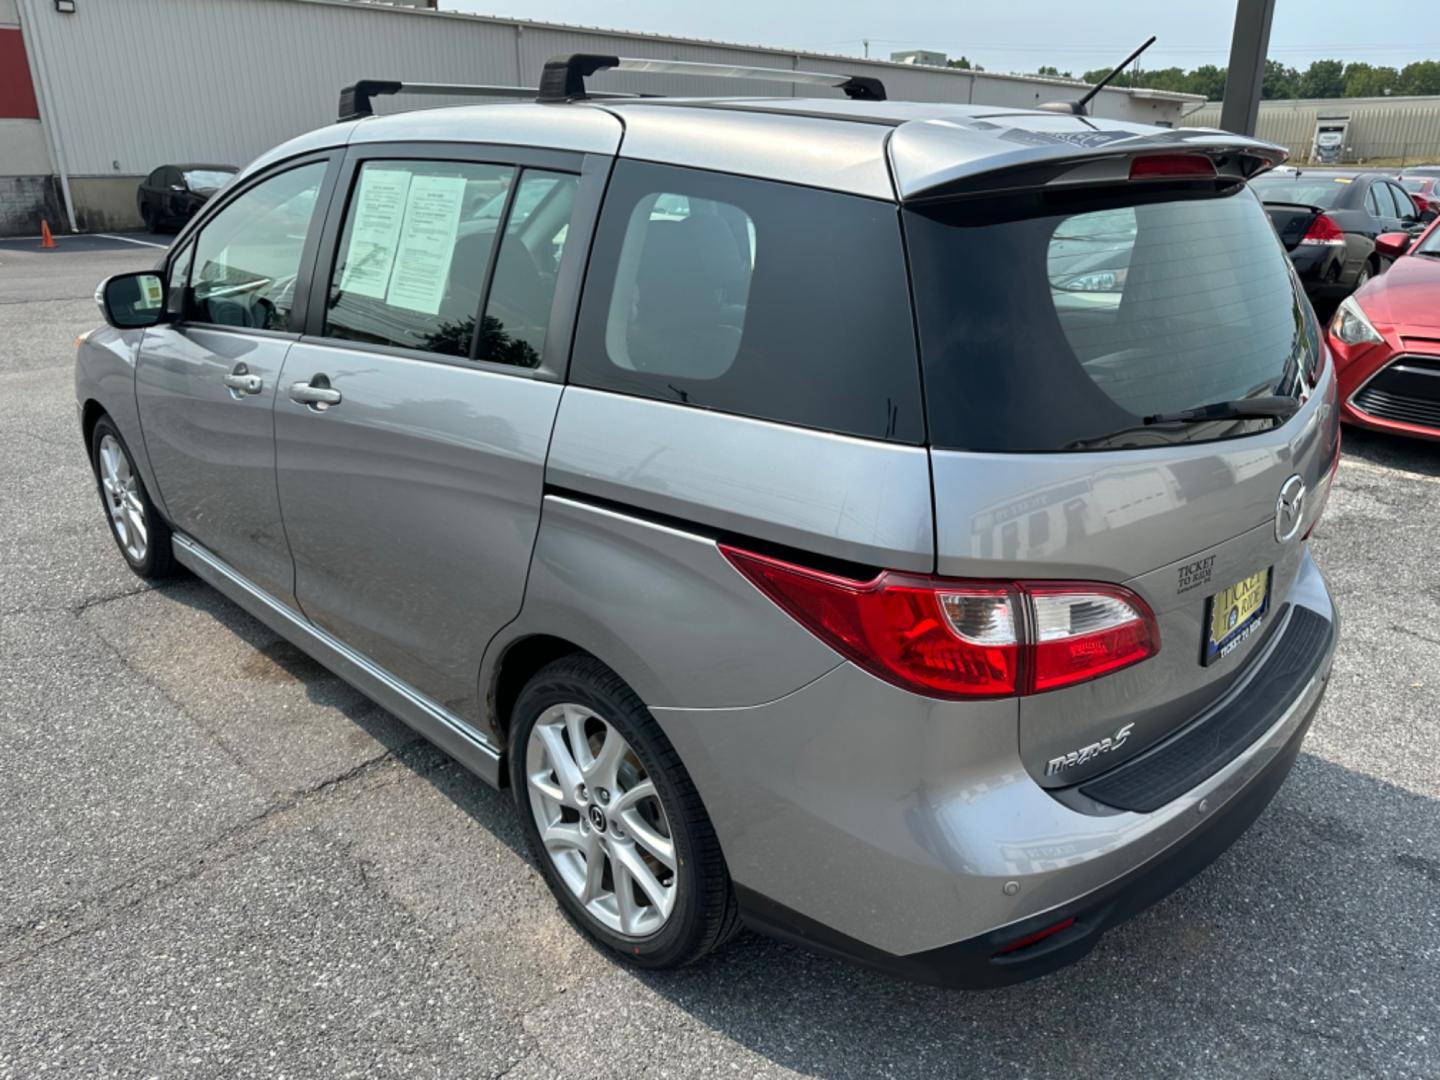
(426, 716)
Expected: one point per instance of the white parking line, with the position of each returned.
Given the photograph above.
(1347, 464)
(130, 240)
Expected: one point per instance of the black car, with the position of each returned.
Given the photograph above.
(170, 195)
(1329, 220)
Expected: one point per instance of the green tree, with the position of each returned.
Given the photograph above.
(1208, 81)
(1094, 76)
(1323, 79)
(1363, 80)
(1421, 77)
(1280, 81)
(963, 64)
(1054, 72)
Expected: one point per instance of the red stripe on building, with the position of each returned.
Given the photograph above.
(17, 92)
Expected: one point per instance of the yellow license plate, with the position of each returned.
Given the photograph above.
(1234, 614)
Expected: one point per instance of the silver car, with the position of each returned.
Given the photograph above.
(879, 524)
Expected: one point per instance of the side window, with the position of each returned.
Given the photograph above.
(247, 257)
(517, 309)
(1373, 203)
(418, 248)
(751, 297)
(1404, 205)
(155, 178)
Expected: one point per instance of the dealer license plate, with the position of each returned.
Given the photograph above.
(1234, 614)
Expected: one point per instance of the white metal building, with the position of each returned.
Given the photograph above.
(1389, 129)
(115, 88)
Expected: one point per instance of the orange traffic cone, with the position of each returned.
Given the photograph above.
(46, 240)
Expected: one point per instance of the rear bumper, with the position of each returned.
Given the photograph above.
(1321, 271)
(977, 963)
(906, 834)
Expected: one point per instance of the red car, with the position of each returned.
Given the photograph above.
(1424, 191)
(1386, 341)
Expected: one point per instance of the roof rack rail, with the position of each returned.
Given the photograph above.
(355, 102)
(563, 78)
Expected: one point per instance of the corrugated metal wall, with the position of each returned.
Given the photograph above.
(136, 83)
(1380, 128)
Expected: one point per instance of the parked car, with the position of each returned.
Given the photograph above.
(798, 549)
(1386, 342)
(1328, 222)
(1424, 193)
(172, 194)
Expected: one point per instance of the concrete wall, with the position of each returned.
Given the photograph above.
(133, 84)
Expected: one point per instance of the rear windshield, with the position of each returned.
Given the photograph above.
(1063, 321)
(1322, 193)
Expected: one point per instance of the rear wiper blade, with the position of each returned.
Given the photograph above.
(1273, 406)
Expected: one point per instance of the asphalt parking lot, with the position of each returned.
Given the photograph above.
(218, 860)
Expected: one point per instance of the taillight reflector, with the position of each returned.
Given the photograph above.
(1038, 936)
(962, 639)
(1323, 230)
(1163, 166)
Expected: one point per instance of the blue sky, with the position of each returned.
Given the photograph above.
(1071, 34)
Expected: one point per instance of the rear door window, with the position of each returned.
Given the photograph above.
(1054, 322)
(417, 258)
(751, 297)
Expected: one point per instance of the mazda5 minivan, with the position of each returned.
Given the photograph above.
(880, 524)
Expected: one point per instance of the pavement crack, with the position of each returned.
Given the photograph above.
(97, 601)
(45, 931)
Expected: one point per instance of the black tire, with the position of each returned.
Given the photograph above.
(1367, 270)
(159, 558)
(705, 915)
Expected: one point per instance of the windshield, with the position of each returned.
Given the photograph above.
(1056, 321)
(1322, 193)
(206, 179)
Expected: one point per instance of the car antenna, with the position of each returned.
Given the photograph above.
(1077, 108)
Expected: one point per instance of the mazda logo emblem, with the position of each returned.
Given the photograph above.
(1289, 509)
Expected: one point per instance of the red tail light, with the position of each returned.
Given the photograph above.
(962, 639)
(1170, 166)
(1323, 230)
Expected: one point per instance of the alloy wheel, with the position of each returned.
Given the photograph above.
(122, 498)
(600, 820)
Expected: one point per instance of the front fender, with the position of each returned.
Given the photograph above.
(105, 376)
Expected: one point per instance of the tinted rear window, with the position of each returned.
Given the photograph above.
(1322, 193)
(1063, 321)
(751, 297)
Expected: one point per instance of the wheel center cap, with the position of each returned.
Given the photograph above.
(597, 818)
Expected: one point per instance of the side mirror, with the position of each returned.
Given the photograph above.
(132, 301)
(1393, 244)
(1429, 215)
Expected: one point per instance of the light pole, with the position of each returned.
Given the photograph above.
(1245, 78)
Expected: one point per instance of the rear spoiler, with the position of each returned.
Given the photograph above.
(940, 159)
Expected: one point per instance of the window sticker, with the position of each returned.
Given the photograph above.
(152, 294)
(427, 243)
(379, 210)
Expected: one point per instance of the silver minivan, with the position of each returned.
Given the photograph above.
(880, 524)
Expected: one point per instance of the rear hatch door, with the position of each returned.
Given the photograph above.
(1059, 328)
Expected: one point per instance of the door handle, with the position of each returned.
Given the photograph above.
(317, 393)
(240, 381)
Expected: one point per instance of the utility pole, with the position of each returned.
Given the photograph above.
(1245, 78)
(867, 48)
